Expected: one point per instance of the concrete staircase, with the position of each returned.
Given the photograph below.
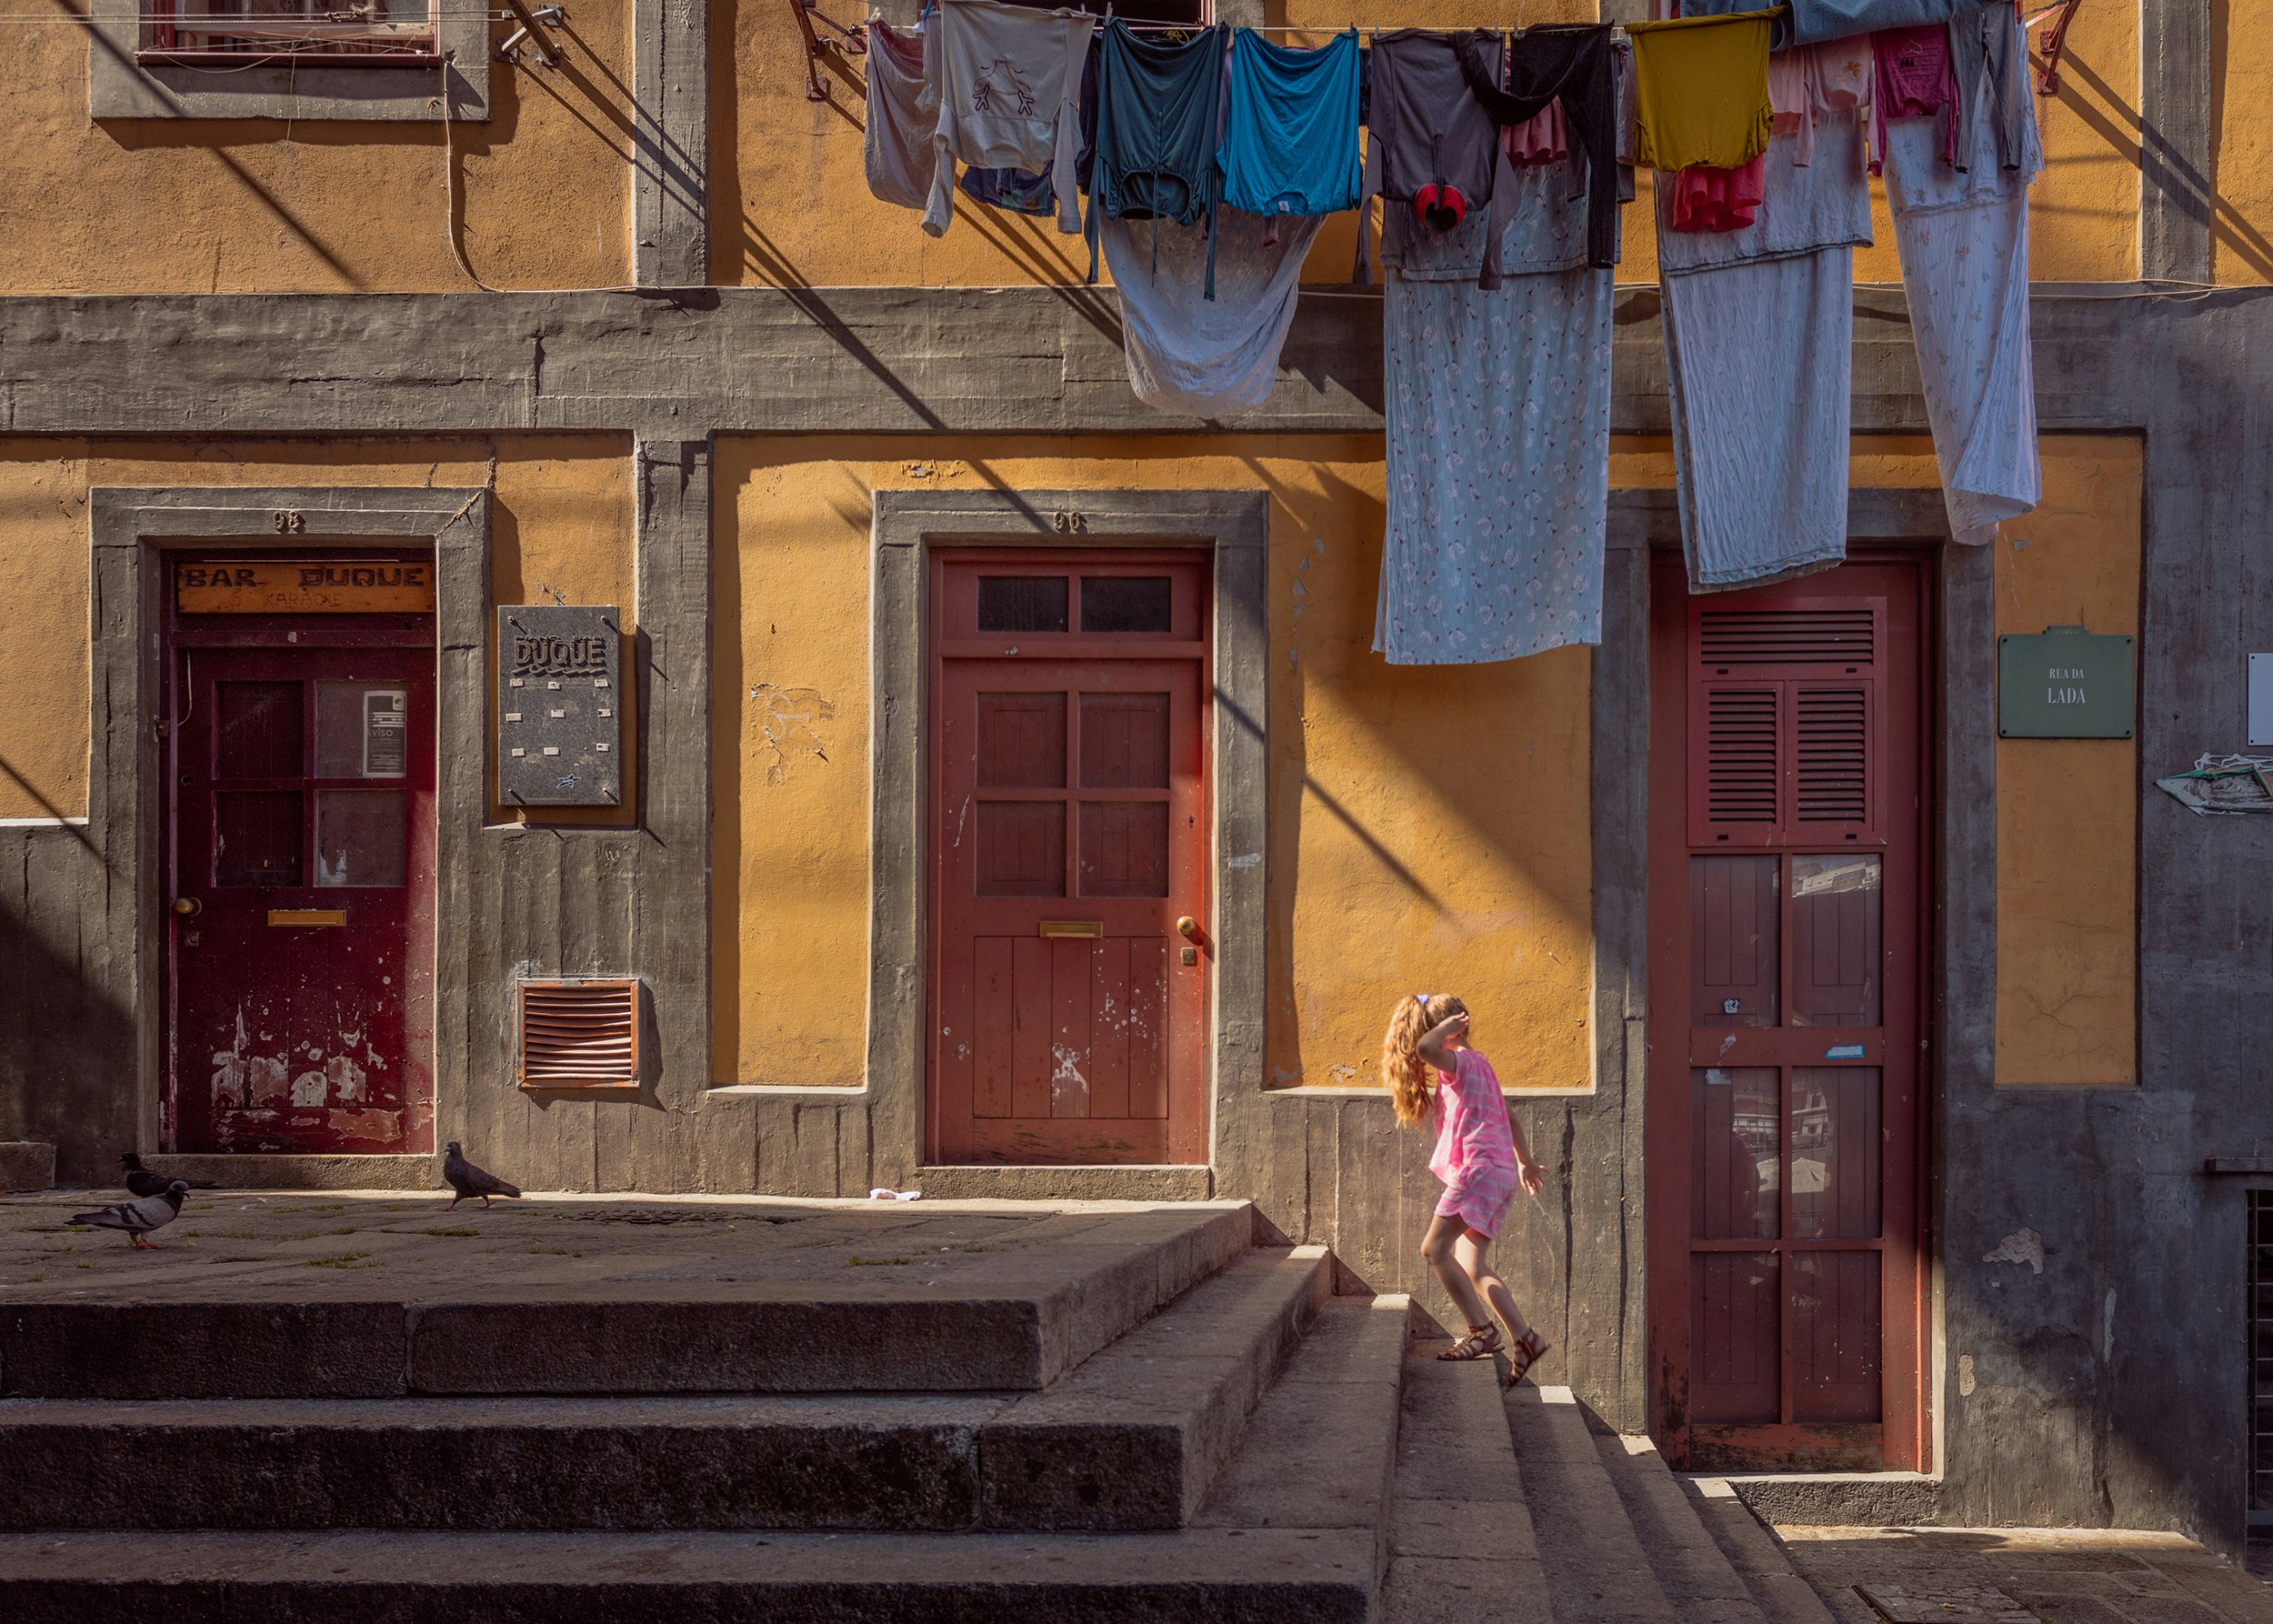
(1131, 1417)
(1541, 1516)
(1187, 1428)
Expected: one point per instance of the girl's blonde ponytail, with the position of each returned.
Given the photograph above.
(1402, 1068)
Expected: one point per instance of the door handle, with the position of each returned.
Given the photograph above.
(1188, 928)
(189, 907)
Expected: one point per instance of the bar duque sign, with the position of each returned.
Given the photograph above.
(2065, 682)
(304, 587)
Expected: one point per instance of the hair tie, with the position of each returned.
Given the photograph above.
(1422, 1000)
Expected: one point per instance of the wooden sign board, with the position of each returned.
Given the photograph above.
(304, 587)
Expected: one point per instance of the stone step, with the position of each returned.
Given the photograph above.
(1461, 1542)
(1135, 1438)
(1783, 1593)
(1247, 1564)
(971, 1301)
(1132, 1441)
(1597, 1571)
(1692, 1570)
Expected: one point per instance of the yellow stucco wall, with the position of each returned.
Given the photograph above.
(1429, 827)
(2068, 809)
(2241, 217)
(207, 205)
(561, 523)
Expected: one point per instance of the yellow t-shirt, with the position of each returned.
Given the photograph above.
(1701, 90)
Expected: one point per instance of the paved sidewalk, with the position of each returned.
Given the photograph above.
(2024, 1576)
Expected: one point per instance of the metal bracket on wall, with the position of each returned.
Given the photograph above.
(2055, 42)
(856, 44)
(551, 17)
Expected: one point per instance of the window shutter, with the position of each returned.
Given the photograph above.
(1785, 717)
(581, 1035)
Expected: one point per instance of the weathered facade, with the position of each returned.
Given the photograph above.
(708, 382)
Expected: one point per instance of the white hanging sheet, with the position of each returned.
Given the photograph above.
(1196, 356)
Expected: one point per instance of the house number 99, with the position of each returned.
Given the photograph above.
(1069, 524)
(288, 521)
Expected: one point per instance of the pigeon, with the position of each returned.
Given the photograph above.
(142, 1181)
(469, 1180)
(139, 1218)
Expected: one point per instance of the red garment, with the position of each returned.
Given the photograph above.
(1917, 79)
(1709, 199)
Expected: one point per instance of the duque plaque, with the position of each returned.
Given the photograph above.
(2065, 682)
(559, 705)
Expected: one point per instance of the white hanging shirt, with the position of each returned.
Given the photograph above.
(1009, 83)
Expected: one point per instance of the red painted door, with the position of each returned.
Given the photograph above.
(1786, 884)
(1068, 845)
(301, 865)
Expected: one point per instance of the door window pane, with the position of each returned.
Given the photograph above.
(359, 837)
(1125, 848)
(1736, 1354)
(1835, 1336)
(1022, 603)
(1124, 741)
(1021, 849)
(1837, 957)
(1835, 1152)
(257, 732)
(362, 730)
(1734, 946)
(1127, 603)
(1022, 741)
(1736, 1122)
(256, 836)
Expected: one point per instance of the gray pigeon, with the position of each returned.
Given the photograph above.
(469, 1180)
(139, 1218)
(142, 1181)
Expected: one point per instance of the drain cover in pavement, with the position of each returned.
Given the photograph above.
(1955, 1604)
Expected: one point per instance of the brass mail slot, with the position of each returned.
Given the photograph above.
(1072, 928)
(308, 915)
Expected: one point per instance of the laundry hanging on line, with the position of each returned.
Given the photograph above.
(1701, 90)
(1159, 120)
(1007, 82)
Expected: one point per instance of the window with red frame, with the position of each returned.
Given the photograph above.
(375, 33)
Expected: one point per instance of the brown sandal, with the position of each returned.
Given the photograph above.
(1529, 1351)
(1481, 1342)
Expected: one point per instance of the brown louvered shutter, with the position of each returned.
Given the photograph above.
(578, 1034)
(1784, 719)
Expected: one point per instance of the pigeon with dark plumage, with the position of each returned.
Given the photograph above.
(142, 1181)
(137, 1218)
(469, 1180)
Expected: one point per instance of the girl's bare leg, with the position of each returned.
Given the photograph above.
(1469, 1253)
(1439, 1247)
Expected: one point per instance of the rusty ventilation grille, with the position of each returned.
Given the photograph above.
(1842, 637)
(579, 1035)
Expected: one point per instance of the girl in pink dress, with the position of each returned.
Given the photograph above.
(1480, 1155)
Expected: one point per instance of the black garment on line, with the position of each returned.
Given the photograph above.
(1571, 61)
(1159, 121)
(1430, 133)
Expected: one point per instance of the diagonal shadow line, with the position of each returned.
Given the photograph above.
(817, 309)
(102, 41)
(1341, 814)
(77, 829)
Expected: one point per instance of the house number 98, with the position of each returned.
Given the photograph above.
(288, 521)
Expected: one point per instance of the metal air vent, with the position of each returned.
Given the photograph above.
(582, 1035)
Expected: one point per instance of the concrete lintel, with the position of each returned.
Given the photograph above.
(682, 364)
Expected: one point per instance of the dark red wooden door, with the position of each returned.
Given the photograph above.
(1785, 1311)
(1069, 820)
(301, 862)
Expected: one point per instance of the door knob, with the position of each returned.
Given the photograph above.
(1188, 928)
(189, 907)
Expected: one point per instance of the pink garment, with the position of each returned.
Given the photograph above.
(1479, 1198)
(1916, 79)
(1472, 1129)
(1545, 139)
(1709, 199)
(1808, 81)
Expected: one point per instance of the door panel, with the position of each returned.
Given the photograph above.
(1787, 857)
(1068, 819)
(300, 852)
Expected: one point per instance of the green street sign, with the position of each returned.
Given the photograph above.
(2065, 683)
